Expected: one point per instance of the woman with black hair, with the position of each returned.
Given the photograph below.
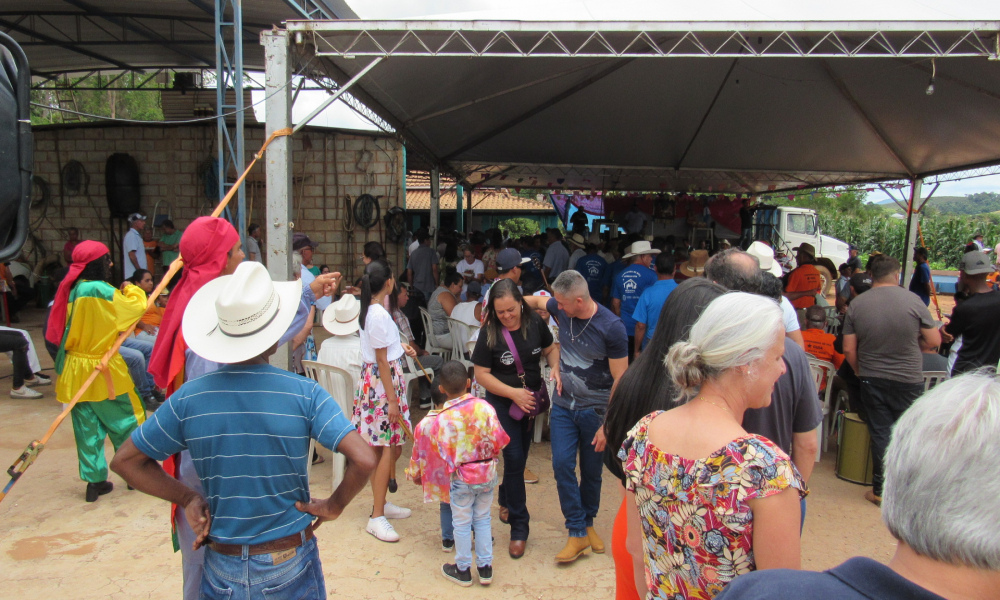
(644, 388)
(372, 251)
(381, 413)
(497, 370)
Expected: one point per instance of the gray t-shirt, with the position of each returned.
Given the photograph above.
(422, 261)
(795, 406)
(253, 248)
(584, 350)
(887, 321)
(556, 259)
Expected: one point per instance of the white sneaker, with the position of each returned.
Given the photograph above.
(26, 393)
(39, 379)
(392, 511)
(382, 529)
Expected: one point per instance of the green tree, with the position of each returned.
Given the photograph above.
(141, 105)
(518, 227)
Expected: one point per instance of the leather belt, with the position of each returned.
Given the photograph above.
(286, 543)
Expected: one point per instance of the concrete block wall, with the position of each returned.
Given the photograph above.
(171, 160)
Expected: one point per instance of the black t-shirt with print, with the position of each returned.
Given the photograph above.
(500, 361)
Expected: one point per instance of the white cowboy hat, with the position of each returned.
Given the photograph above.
(341, 317)
(577, 239)
(765, 256)
(250, 314)
(640, 247)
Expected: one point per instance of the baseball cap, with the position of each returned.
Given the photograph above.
(861, 282)
(852, 247)
(301, 240)
(132, 218)
(508, 259)
(975, 263)
(474, 287)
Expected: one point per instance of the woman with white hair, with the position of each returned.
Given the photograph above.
(939, 502)
(713, 502)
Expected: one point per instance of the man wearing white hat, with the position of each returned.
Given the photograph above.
(344, 348)
(247, 427)
(132, 245)
(765, 258)
(630, 284)
(577, 242)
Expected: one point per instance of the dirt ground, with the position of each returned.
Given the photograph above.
(53, 544)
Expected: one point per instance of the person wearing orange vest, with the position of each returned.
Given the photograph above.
(804, 282)
(819, 344)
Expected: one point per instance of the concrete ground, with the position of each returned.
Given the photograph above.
(53, 544)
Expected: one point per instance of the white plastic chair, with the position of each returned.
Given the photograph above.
(338, 383)
(932, 378)
(820, 368)
(459, 338)
(431, 346)
(413, 373)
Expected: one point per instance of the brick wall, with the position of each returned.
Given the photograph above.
(170, 160)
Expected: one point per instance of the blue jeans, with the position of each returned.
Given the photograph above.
(447, 526)
(245, 577)
(140, 373)
(572, 431)
(470, 509)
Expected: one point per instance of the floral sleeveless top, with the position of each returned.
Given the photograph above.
(696, 520)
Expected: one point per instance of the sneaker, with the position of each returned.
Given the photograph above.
(485, 574)
(151, 404)
(447, 545)
(530, 477)
(159, 396)
(38, 379)
(25, 393)
(462, 578)
(98, 489)
(395, 512)
(426, 403)
(382, 529)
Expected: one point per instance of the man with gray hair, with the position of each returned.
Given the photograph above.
(943, 517)
(593, 354)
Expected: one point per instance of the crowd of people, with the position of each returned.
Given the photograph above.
(685, 371)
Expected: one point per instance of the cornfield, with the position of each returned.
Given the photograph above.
(944, 236)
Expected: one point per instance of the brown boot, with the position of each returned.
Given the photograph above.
(575, 548)
(596, 543)
(871, 497)
(504, 515)
(516, 548)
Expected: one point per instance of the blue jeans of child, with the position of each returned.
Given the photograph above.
(447, 526)
(245, 577)
(132, 350)
(572, 432)
(470, 509)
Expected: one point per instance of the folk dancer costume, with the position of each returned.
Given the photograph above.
(86, 318)
(204, 247)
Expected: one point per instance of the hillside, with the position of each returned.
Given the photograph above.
(972, 204)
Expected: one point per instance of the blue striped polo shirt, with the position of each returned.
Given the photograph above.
(248, 430)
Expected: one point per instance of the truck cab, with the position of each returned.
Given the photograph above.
(786, 227)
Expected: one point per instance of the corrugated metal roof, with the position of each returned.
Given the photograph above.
(488, 200)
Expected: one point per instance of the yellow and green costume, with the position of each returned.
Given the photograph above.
(95, 314)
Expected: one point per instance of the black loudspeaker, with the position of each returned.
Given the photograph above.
(121, 180)
(16, 147)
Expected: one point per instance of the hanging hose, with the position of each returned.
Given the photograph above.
(366, 211)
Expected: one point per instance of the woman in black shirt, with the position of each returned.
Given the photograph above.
(497, 372)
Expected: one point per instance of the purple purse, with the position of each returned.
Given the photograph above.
(541, 396)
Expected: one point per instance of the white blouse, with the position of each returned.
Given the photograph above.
(380, 331)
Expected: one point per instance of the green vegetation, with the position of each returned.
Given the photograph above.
(518, 227)
(139, 105)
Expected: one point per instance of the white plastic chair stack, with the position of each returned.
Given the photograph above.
(431, 346)
(932, 378)
(459, 338)
(820, 368)
(337, 382)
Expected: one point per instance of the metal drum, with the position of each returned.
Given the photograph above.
(854, 452)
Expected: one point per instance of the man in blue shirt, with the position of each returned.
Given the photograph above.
(595, 270)
(247, 426)
(629, 286)
(920, 283)
(647, 312)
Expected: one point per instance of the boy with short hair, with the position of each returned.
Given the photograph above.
(455, 450)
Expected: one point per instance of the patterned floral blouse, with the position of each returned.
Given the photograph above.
(695, 514)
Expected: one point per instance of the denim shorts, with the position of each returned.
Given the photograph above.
(298, 575)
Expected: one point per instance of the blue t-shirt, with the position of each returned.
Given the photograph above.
(918, 284)
(585, 345)
(647, 311)
(595, 270)
(248, 429)
(629, 286)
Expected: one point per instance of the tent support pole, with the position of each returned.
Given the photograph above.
(278, 166)
(459, 208)
(435, 203)
(912, 220)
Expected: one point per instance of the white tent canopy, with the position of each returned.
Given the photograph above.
(702, 106)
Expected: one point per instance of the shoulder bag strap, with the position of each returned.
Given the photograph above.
(517, 358)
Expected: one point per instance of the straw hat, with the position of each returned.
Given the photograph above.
(694, 266)
(765, 256)
(251, 314)
(341, 317)
(640, 247)
(806, 249)
(577, 240)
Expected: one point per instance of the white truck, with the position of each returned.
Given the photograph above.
(786, 227)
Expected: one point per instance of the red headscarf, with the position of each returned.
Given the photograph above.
(85, 252)
(204, 248)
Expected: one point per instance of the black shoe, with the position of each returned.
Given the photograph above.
(485, 574)
(392, 486)
(98, 489)
(426, 403)
(158, 395)
(447, 545)
(151, 404)
(462, 578)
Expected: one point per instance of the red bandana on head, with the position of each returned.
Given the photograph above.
(205, 249)
(84, 253)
